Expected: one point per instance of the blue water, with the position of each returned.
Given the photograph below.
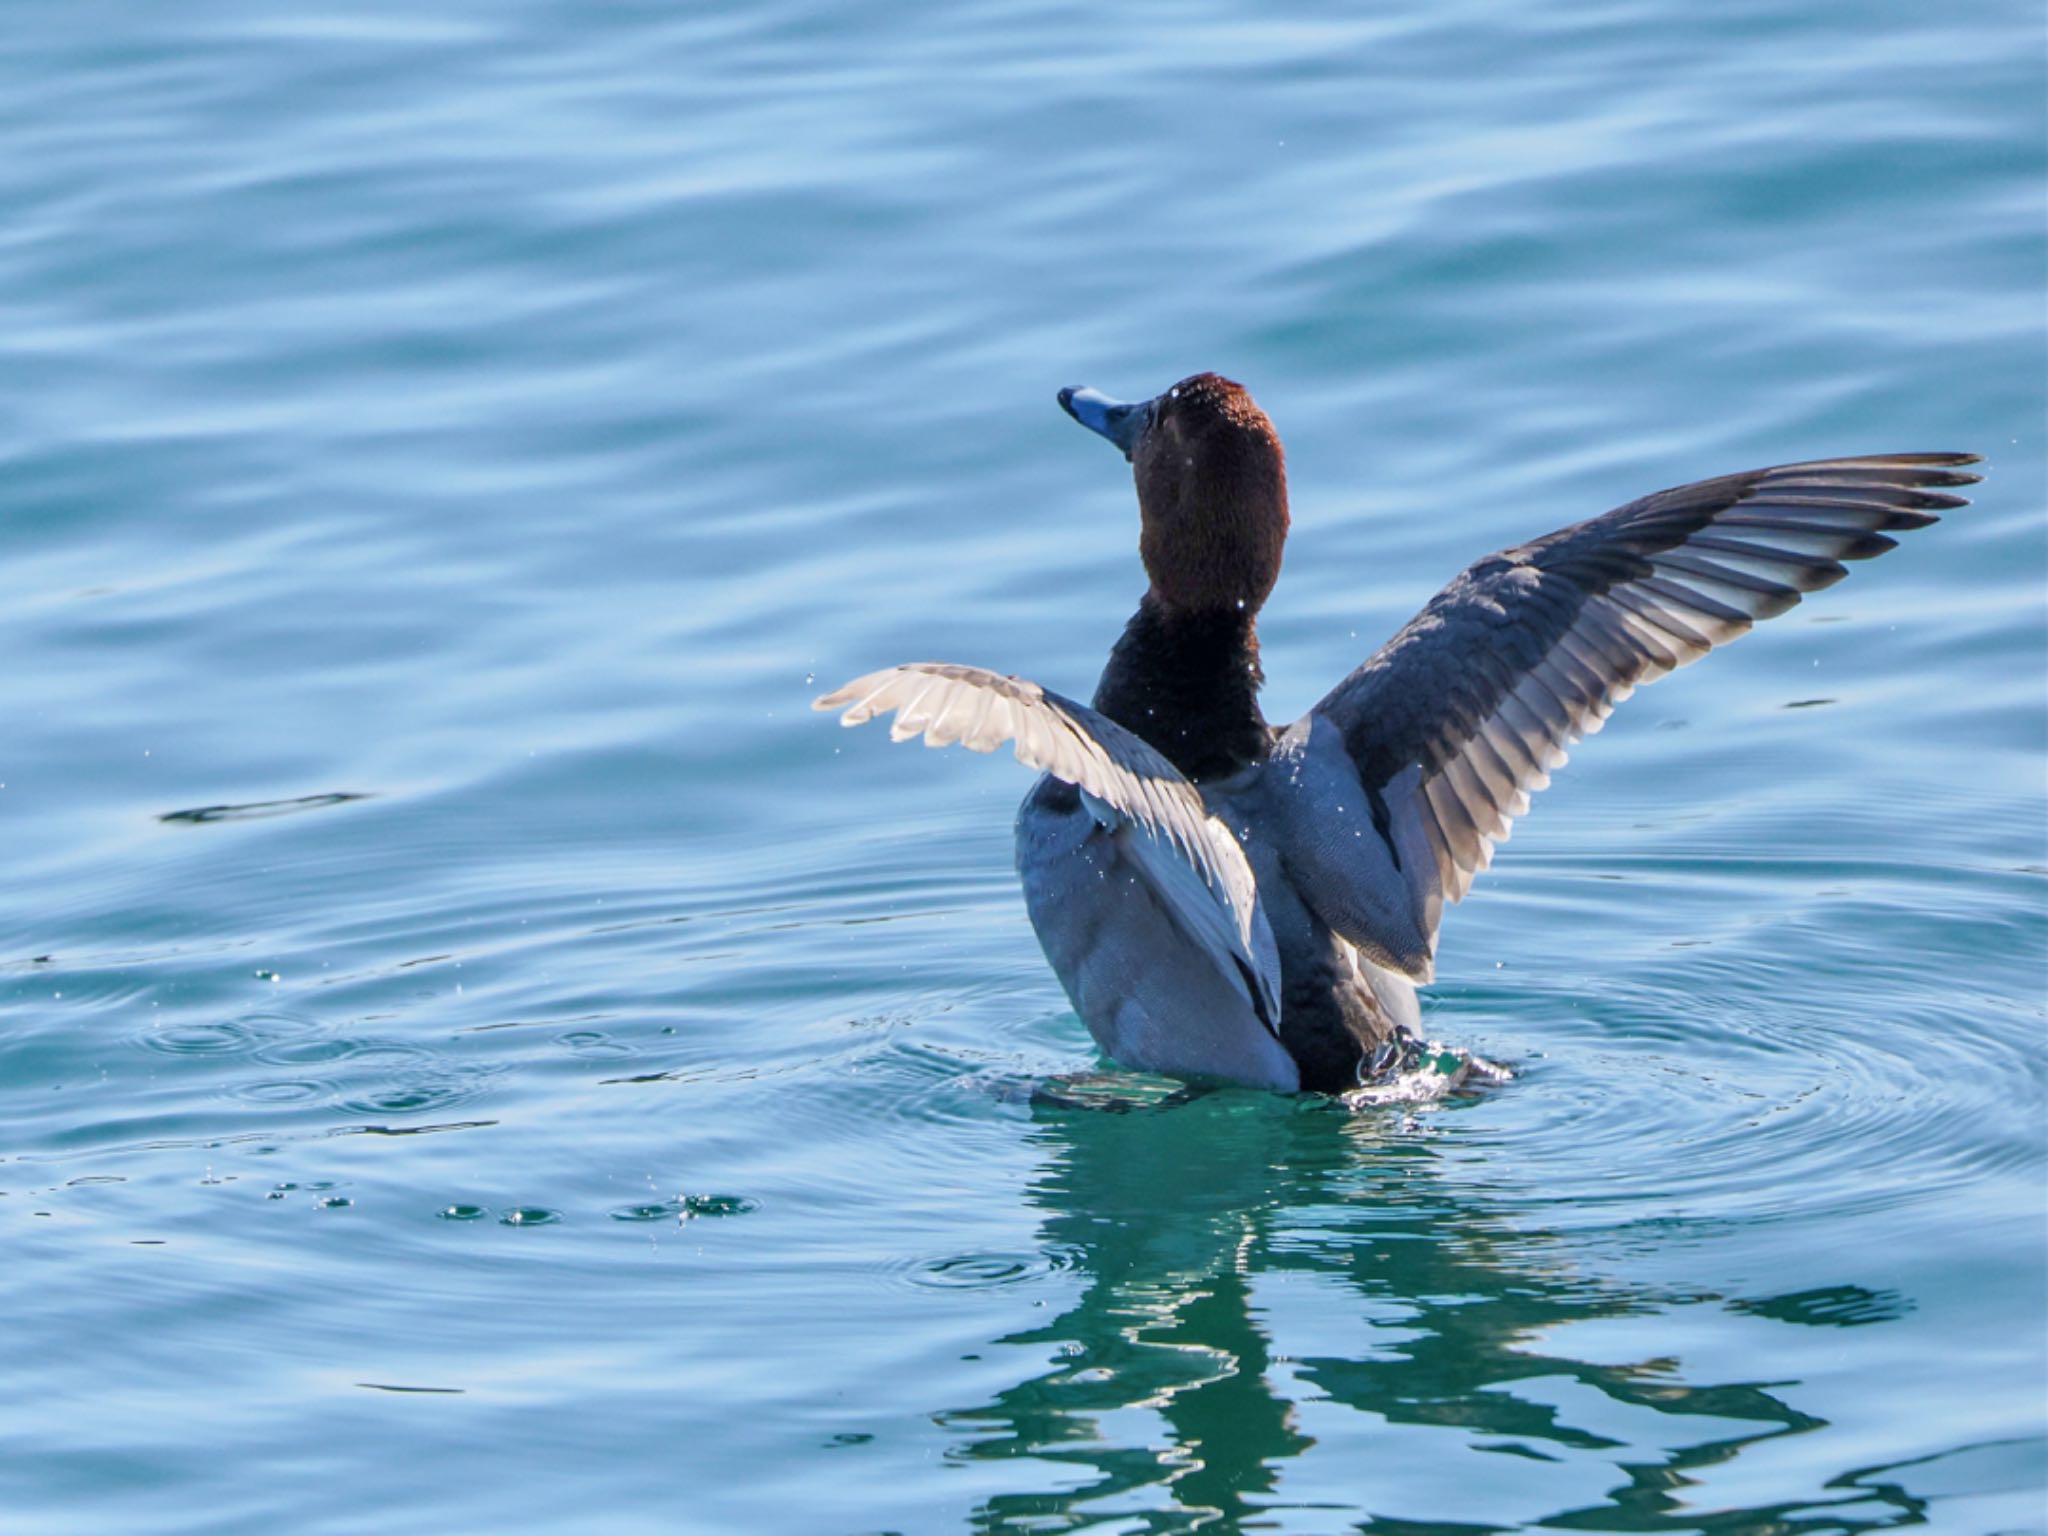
(631, 1113)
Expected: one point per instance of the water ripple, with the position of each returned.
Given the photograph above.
(986, 1271)
(249, 1034)
(518, 411)
(256, 810)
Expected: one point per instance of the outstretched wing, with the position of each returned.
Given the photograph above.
(1533, 647)
(1192, 859)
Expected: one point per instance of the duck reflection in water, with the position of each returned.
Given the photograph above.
(1201, 1225)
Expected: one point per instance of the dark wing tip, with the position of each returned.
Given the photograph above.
(1913, 460)
(1930, 458)
(1940, 468)
(1869, 546)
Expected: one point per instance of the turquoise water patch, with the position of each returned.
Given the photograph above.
(478, 1053)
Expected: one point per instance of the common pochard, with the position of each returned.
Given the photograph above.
(1226, 899)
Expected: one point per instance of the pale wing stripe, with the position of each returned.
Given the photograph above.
(1579, 669)
(1813, 549)
(1496, 778)
(955, 715)
(949, 704)
(1531, 649)
(1050, 733)
(1434, 794)
(910, 717)
(1729, 620)
(1523, 776)
(982, 734)
(1676, 639)
(1544, 752)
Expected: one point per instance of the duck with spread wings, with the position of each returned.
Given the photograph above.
(1225, 899)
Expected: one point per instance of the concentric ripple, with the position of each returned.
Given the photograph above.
(988, 1270)
(226, 1037)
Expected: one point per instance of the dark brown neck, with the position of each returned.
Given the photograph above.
(1188, 682)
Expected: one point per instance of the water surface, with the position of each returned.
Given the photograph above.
(476, 1053)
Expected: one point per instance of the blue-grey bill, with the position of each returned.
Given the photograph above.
(1121, 421)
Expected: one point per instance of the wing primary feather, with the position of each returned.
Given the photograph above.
(1680, 640)
(1128, 787)
(1529, 649)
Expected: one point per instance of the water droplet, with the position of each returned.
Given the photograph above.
(333, 1203)
(463, 1212)
(529, 1216)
